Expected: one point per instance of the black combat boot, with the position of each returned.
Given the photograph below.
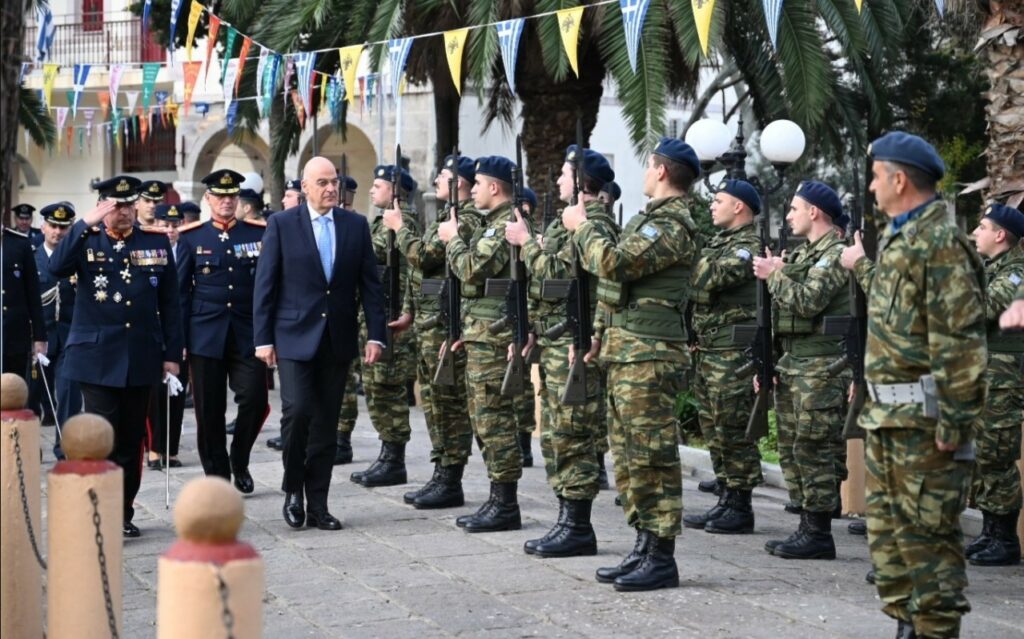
(815, 543)
(657, 568)
(503, 513)
(981, 541)
(630, 562)
(410, 392)
(531, 544)
(870, 577)
(357, 477)
(772, 544)
(575, 538)
(446, 492)
(1004, 549)
(602, 473)
(700, 520)
(461, 520)
(837, 512)
(343, 453)
(905, 630)
(411, 496)
(390, 471)
(738, 517)
(715, 486)
(526, 445)
(793, 508)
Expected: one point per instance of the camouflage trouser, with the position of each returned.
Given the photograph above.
(570, 453)
(785, 426)
(490, 413)
(601, 436)
(645, 443)
(525, 408)
(387, 399)
(350, 403)
(451, 436)
(725, 404)
(915, 496)
(817, 409)
(997, 436)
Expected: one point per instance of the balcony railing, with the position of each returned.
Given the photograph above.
(95, 41)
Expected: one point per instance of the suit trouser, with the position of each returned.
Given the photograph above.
(311, 393)
(157, 423)
(211, 376)
(125, 409)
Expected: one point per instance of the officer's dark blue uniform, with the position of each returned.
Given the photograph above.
(216, 276)
(24, 212)
(22, 310)
(127, 323)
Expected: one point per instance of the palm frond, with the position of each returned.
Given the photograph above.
(35, 118)
(805, 69)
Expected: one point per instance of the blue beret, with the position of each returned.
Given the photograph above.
(153, 190)
(189, 207)
(249, 194)
(466, 169)
(1007, 217)
(822, 196)
(386, 172)
(24, 211)
(744, 192)
(678, 151)
(595, 165)
(122, 188)
(530, 197)
(908, 149)
(495, 166)
(843, 221)
(224, 182)
(293, 185)
(613, 189)
(59, 214)
(169, 212)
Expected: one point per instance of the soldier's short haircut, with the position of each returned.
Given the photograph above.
(591, 186)
(680, 176)
(1011, 238)
(920, 180)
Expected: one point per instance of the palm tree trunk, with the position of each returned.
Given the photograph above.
(1003, 35)
(13, 33)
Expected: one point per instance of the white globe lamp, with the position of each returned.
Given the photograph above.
(709, 139)
(782, 142)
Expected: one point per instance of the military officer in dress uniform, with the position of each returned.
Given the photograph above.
(23, 327)
(216, 275)
(23, 224)
(151, 193)
(126, 329)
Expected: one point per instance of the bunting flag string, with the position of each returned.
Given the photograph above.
(772, 13)
(116, 71)
(349, 63)
(81, 72)
(703, 10)
(133, 97)
(230, 70)
(175, 9)
(195, 12)
(229, 45)
(49, 76)
(509, 34)
(270, 81)
(569, 28)
(104, 100)
(633, 14)
(62, 116)
(150, 70)
(454, 43)
(305, 62)
(211, 42)
(47, 29)
(191, 74)
(398, 53)
(261, 67)
(146, 8)
(246, 43)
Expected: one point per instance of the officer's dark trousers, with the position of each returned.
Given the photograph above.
(211, 376)
(158, 418)
(311, 394)
(16, 361)
(125, 409)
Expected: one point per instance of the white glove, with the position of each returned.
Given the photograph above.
(173, 385)
(42, 359)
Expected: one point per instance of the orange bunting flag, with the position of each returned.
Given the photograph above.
(211, 42)
(242, 55)
(104, 100)
(191, 72)
(143, 126)
(300, 112)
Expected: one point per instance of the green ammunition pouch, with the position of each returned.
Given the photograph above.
(651, 320)
(719, 337)
(999, 342)
(786, 323)
(812, 346)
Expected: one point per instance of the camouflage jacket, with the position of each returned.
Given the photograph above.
(926, 316)
(379, 237)
(724, 287)
(662, 237)
(1005, 275)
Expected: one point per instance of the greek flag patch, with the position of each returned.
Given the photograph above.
(649, 232)
(1015, 279)
(743, 254)
(822, 263)
(489, 233)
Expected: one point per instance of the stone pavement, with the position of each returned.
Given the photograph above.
(398, 572)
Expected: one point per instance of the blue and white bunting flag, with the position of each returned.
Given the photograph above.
(305, 63)
(398, 52)
(260, 68)
(78, 85)
(175, 8)
(633, 14)
(509, 33)
(145, 17)
(47, 27)
(940, 5)
(772, 13)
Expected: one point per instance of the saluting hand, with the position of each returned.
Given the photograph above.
(517, 232)
(100, 211)
(852, 254)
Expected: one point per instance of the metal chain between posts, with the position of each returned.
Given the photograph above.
(226, 616)
(102, 556)
(16, 436)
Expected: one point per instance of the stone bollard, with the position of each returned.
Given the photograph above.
(85, 492)
(210, 585)
(21, 583)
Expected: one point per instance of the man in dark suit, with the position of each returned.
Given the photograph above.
(126, 329)
(316, 262)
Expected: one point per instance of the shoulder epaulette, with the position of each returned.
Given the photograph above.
(15, 232)
(255, 222)
(191, 226)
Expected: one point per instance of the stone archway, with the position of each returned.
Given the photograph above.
(203, 150)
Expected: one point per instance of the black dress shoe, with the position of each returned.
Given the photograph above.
(154, 464)
(323, 521)
(243, 480)
(275, 443)
(174, 463)
(294, 512)
(130, 530)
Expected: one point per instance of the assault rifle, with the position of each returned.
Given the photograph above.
(391, 276)
(514, 290)
(548, 209)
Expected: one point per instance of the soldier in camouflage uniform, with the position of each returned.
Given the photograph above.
(724, 294)
(806, 286)
(445, 407)
(385, 385)
(926, 341)
(569, 437)
(1013, 317)
(996, 487)
(644, 279)
(484, 256)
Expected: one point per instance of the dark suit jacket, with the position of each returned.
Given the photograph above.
(22, 308)
(57, 328)
(293, 302)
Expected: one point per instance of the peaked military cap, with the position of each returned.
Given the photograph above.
(293, 185)
(530, 197)
(386, 172)
(224, 182)
(743, 191)
(153, 190)
(189, 208)
(466, 169)
(613, 189)
(59, 214)
(169, 212)
(595, 165)
(24, 211)
(822, 196)
(905, 148)
(495, 166)
(1007, 217)
(678, 151)
(122, 188)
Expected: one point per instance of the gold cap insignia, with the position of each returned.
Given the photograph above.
(226, 179)
(172, 211)
(123, 186)
(723, 184)
(154, 188)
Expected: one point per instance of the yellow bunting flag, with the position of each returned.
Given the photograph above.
(569, 26)
(49, 76)
(349, 61)
(860, 5)
(193, 21)
(454, 43)
(702, 12)
(323, 91)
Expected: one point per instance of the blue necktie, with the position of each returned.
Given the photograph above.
(324, 241)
